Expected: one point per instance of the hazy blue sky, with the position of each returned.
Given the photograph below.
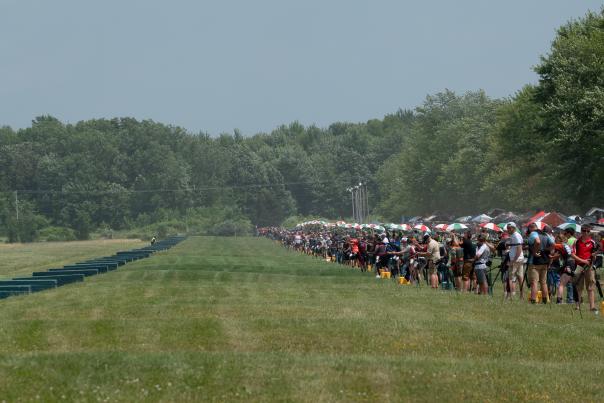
(253, 65)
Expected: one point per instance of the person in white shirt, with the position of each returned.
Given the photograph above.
(483, 253)
(516, 264)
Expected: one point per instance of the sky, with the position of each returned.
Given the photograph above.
(216, 66)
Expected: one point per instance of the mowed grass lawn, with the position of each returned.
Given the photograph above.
(24, 258)
(227, 319)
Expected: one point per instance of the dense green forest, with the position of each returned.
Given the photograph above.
(457, 153)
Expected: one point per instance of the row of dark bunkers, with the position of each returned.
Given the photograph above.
(53, 278)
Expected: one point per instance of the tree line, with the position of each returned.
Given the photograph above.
(457, 153)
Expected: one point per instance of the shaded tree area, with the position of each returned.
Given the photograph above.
(456, 153)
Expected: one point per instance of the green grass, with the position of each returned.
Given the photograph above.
(24, 258)
(241, 319)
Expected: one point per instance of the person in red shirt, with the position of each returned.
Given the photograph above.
(585, 275)
(354, 250)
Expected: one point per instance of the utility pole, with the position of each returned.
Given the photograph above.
(366, 201)
(17, 204)
(351, 190)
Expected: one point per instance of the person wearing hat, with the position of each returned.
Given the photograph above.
(516, 262)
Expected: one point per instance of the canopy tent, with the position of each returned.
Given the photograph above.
(506, 217)
(553, 219)
(596, 212)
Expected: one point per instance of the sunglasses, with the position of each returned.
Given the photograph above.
(584, 230)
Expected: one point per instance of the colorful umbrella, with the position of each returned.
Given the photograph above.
(540, 225)
(422, 227)
(502, 225)
(442, 227)
(491, 226)
(601, 221)
(376, 227)
(572, 225)
(405, 227)
(456, 227)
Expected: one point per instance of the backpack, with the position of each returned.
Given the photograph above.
(543, 257)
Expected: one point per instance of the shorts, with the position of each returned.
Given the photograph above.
(516, 271)
(431, 267)
(468, 269)
(457, 269)
(537, 273)
(585, 277)
(481, 275)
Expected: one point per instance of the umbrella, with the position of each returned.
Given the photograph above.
(422, 227)
(405, 227)
(540, 225)
(504, 226)
(601, 221)
(465, 218)
(442, 227)
(491, 226)
(572, 225)
(391, 225)
(456, 227)
(376, 227)
(483, 218)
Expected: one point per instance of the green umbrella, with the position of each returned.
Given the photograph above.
(456, 227)
(572, 225)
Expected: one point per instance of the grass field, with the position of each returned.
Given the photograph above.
(241, 319)
(24, 258)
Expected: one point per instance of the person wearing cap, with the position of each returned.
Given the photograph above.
(516, 262)
(433, 256)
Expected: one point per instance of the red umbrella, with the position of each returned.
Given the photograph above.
(422, 227)
(540, 225)
(491, 226)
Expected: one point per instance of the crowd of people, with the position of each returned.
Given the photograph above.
(549, 266)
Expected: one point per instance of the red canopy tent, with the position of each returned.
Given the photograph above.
(554, 219)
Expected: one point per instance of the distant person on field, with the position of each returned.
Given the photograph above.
(153, 241)
(469, 254)
(516, 256)
(433, 256)
(585, 274)
(540, 248)
(483, 254)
